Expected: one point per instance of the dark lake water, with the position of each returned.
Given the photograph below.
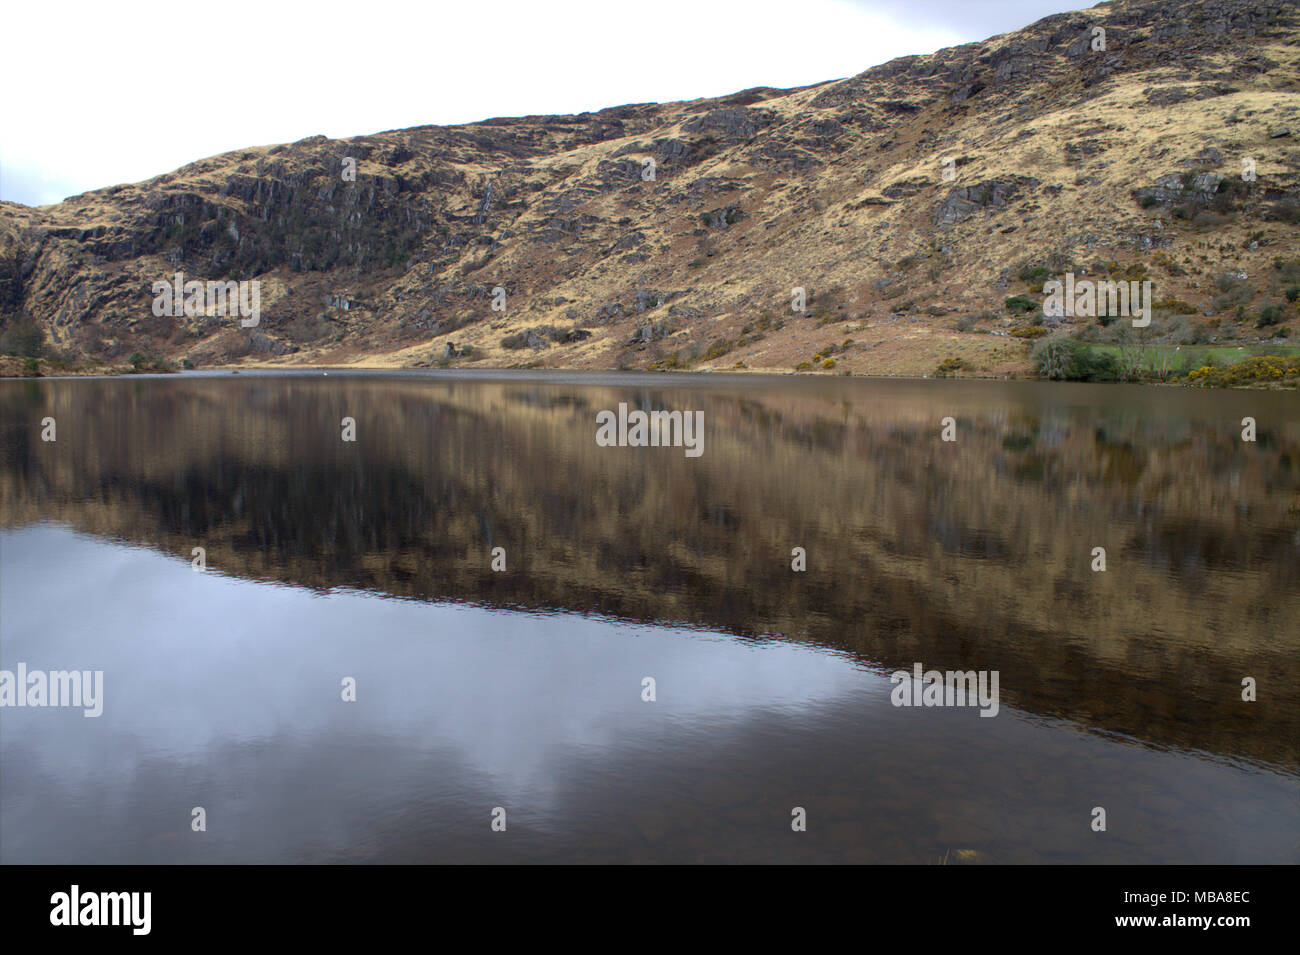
(522, 689)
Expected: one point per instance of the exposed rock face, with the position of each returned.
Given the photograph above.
(265, 345)
(535, 341)
(1173, 188)
(1053, 141)
(732, 124)
(964, 202)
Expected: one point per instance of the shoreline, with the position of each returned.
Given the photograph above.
(491, 372)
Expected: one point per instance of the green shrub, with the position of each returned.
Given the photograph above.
(1018, 303)
(1269, 315)
(1063, 359)
(718, 349)
(1286, 210)
(1177, 306)
(1207, 219)
(1168, 264)
(143, 364)
(1236, 292)
(1029, 331)
(1093, 365)
(22, 337)
(1053, 359)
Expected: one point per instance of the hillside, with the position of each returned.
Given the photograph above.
(910, 202)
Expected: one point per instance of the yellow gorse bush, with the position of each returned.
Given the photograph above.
(1252, 370)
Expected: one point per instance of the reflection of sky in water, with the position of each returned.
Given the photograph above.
(194, 660)
(226, 693)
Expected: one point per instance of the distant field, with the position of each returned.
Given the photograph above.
(1223, 353)
(1180, 359)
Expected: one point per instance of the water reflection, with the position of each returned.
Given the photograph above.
(523, 689)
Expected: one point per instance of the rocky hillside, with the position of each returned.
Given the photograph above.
(913, 203)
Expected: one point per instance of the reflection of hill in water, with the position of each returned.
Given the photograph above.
(971, 555)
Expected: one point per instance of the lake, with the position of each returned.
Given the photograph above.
(435, 642)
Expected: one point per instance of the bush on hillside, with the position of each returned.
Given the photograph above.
(1064, 359)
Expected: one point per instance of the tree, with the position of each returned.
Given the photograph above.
(22, 337)
(1053, 358)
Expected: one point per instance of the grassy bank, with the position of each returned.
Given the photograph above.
(19, 366)
(1252, 365)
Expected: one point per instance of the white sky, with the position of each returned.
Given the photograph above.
(99, 93)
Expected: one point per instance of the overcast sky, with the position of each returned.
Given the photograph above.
(100, 93)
